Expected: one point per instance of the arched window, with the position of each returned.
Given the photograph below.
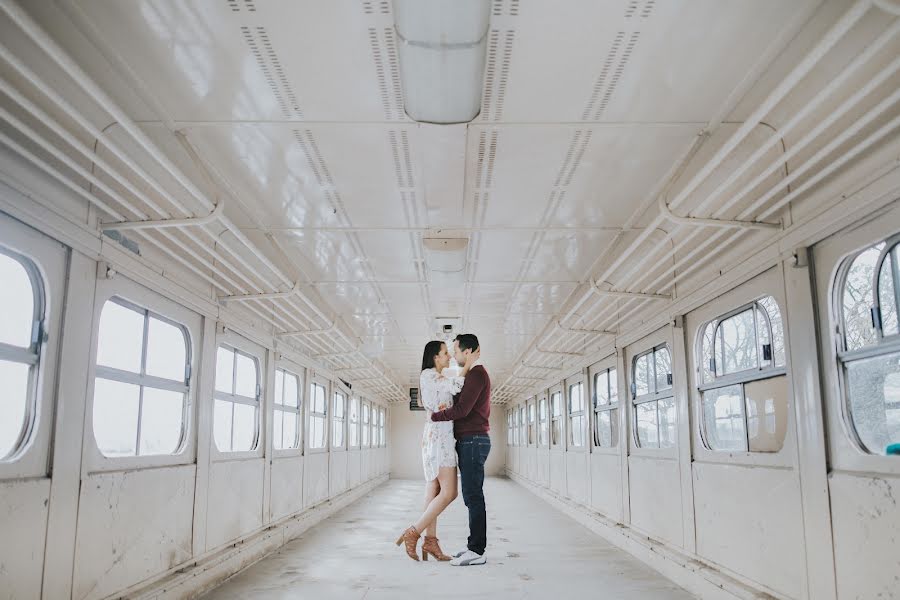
(555, 418)
(365, 429)
(654, 401)
(286, 427)
(142, 382)
(21, 314)
(606, 405)
(743, 382)
(236, 415)
(338, 417)
(576, 415)
(318, 416)
(353, 426)
(866, 300)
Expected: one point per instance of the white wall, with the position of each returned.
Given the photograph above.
(406, 442)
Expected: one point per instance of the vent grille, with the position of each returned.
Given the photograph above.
(235, 5)
(505, 8)
(623, 46)
(496, 73)
(387, 71)
(257, 39)
(639, 8)
(403, 171)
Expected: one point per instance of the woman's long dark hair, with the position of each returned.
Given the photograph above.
(432, 349)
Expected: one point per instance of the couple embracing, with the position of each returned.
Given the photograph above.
(456, 433)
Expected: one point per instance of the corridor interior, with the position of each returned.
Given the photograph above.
(534, 551)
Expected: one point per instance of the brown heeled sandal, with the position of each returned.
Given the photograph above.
(410, 537)
(431, 546)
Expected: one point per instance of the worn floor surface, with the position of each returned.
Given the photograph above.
(533, 551)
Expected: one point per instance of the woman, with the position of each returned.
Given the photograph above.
(438, 448)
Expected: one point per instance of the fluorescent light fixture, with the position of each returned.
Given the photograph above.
(442, 49)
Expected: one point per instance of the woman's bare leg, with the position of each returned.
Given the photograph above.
(446, 495)
(432, 488)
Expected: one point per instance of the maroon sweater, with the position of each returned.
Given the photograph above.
(471, 408)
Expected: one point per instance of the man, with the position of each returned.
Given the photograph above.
(470, 413)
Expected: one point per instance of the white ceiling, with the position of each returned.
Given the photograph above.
(296, 105)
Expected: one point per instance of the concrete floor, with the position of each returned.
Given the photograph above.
(533, 551)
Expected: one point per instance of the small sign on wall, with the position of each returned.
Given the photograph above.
(414, 399)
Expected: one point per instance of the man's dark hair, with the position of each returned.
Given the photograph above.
(467, 341)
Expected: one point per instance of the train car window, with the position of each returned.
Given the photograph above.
(868, 295)
(544, 430)
(141, 382)
(522, 425)
(286, 428)
(353, 427)
(318, 415)
(375, 440)
(236, 414)
(365, 425)
(337, 420)
(653, 398)
(21, 314)
(576, 415)
(382, 440)
(531, 423)
(509, 428)
(555, 418)
(743, 382)
(606, 409)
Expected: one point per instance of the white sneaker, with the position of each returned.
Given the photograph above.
(459, 553)
(467, 559)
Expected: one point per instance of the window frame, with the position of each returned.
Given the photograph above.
(354, 426)
(561, 445)
(301, 373)
(33, 456)
(338, 390)
(883, 345)
(310, 414)
(570, 383)
(233, 342)
(509, 427)
(543, 420)
(365, 424)
(607, 365)
(648, 346)
(740, 378)
(142, 379)
(531, 422)
(142, 297)
(30, 356)
(382, 427)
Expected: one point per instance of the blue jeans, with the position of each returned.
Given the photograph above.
(473, 451)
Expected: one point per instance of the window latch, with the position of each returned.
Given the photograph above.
(633, 390)
(712, 366)
(767, 351)
(187, 373)
(668, 379)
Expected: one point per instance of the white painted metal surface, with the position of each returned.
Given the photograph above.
(284, 196)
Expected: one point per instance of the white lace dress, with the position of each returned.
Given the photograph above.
(438, 445)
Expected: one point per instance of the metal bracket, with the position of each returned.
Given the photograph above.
(670, 216)
(559, 352)
(565, 329)
(263, 296)
(527, 366)
(595, 287)
(286, 334)
(162, 223)
(800, 258)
